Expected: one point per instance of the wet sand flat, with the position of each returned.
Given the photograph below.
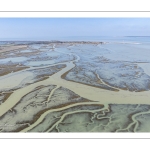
(73, 87)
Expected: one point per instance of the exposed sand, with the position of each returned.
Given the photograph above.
(88, 92)
(97, 95)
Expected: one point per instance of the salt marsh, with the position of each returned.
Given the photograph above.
(75, 87)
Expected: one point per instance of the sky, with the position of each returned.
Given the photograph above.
(52, 28)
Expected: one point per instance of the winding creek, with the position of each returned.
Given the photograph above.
(97, 95)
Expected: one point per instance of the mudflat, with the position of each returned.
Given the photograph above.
(74, 86)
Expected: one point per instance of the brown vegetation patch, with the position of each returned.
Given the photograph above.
(37, 116)
(8, 68)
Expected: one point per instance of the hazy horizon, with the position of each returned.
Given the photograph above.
(57, 28)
